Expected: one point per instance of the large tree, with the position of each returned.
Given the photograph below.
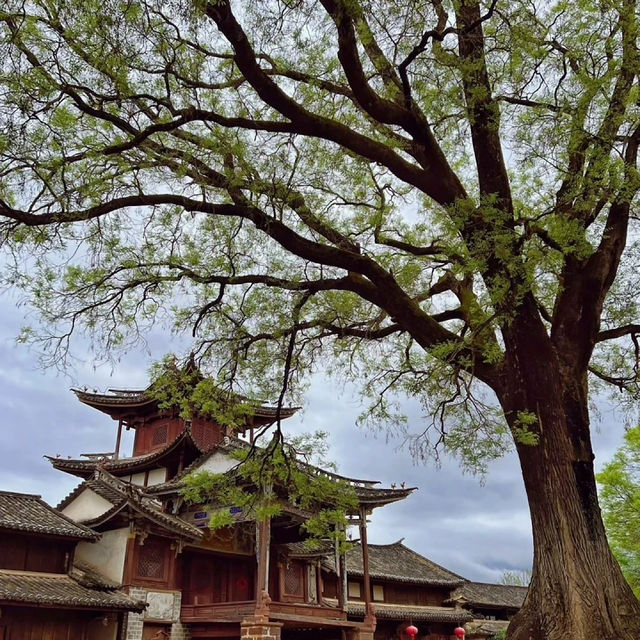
(435, 196)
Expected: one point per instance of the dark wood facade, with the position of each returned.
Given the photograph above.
(42, 595)
(26, 623)
(30, 552)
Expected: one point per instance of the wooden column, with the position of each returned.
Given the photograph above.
(181, 461)
(365, 560)
(341, 571)
(263, 544)
(118, 438)
(318, 582)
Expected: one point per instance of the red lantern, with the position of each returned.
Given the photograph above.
(411, 631)
(460, 632)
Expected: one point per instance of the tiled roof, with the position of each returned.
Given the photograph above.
(401, 564)
(87, 576)
(176, 484)
(85, 468)
(124, 495)
(301, 550)
(29, 513)
(483, 594)
(60, 590)
(140, 398)
(374, 496)
(101, 488)
(366, 491)
(411, 612)
(114, 398)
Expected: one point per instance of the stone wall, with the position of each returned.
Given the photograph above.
(164, 607)
(134, 622)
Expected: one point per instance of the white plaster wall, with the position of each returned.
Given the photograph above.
(137, 478)
(86, 506)
(311, 581)
(157, 476)
(107, 555)
(218, 463)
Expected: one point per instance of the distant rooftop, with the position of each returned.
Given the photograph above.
(399, 563)
(485, 594)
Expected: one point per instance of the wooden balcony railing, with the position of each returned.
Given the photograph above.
(217, 611)
(235, 611)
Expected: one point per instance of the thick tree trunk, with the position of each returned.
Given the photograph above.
(577, 589)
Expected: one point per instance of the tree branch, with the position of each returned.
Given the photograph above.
(443, 186)
(618, 332)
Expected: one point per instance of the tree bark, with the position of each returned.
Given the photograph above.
(577, 589)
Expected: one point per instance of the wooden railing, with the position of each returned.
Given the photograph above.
(235, 611)
(307, 610)
(217, 611)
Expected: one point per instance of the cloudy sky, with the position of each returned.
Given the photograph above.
(479, 530)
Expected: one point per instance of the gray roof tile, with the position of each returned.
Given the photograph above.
(123, 495)
(60, 590)
(29, 513)
(401, 564)
(411, 612)
(483, 594)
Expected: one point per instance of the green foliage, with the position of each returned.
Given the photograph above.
(364, 188)
(620, 499)
(291, 218)
(525, 428)
(267, 480)
(184, 388)
(516, 578)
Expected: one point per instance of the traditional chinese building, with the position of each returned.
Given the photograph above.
(408, 589)
(492, 606)
(44, 591)
(253, 580)
(128, 527)
(405, 588)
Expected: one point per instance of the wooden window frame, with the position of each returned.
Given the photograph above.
(355, 596)
(164, 580)
(292, 597)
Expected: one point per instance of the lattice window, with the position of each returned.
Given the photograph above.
(294, 579)
(205, 434)
(159, 435)
(152, 560)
